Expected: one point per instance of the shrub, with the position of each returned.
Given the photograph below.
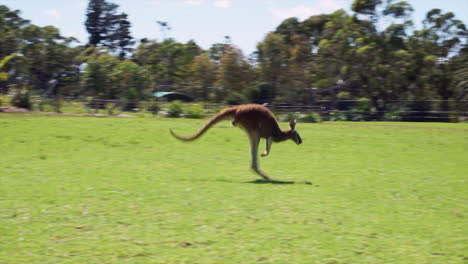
(311, 117)
(289, 116)
(194, 111)
(110, 108)
(352, 115)
(392, 116)
(338, 116)
(152, 107)
(175, 109)
(364, 105)
(357, 115)
(22, 100)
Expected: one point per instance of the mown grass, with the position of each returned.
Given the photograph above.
(110, 190)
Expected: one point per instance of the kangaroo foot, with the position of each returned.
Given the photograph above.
(263, 175)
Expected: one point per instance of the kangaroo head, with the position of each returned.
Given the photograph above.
(294, 135)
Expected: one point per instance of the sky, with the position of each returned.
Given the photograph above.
(205, 21)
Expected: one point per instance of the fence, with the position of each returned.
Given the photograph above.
(350, 110)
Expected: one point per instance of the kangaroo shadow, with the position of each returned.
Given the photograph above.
(259, 181)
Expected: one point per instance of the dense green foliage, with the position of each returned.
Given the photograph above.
(109, 190)
(373, 53)
(108, 28)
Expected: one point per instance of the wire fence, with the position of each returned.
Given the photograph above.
(349, 110)
(352, 110)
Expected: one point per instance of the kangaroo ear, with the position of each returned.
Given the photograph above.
(292, 124)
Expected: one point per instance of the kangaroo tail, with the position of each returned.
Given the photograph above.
(225, 114)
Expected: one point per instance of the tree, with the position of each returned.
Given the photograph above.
(203, 74)
(381, 57)
(131, 82)
(233, 73)
(95, 79)
(439, 50)
(299, 70)
(10, 30)
(366, 7)
(216, 51)
(120, 38)
(107, 77)
(108, 28)
(461, 79)
(272, 61)
(337, 36)
(169, 65)
(446, 33)
(184, 60)
(169, 61)
(11, 25)
(97, 15)
(288, 28)
(46, 55)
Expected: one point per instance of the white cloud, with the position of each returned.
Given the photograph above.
(152, 3)
(54, 13)
(303, 12)
(222, 3)
(300, 12)
(331, 5)
(193, 2)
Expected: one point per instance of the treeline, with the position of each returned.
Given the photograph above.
(372, 55)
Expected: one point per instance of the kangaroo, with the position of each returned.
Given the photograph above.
(258, 122)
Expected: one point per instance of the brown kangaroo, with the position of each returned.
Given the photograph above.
(258, 122)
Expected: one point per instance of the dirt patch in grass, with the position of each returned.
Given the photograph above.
(8, 109)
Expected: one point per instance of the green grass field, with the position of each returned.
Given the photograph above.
(110, 190)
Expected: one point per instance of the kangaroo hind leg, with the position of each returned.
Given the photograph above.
(254, 141)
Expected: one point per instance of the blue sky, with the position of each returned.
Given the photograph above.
(205, 21)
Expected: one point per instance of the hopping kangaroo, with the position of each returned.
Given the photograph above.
(258, 122)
